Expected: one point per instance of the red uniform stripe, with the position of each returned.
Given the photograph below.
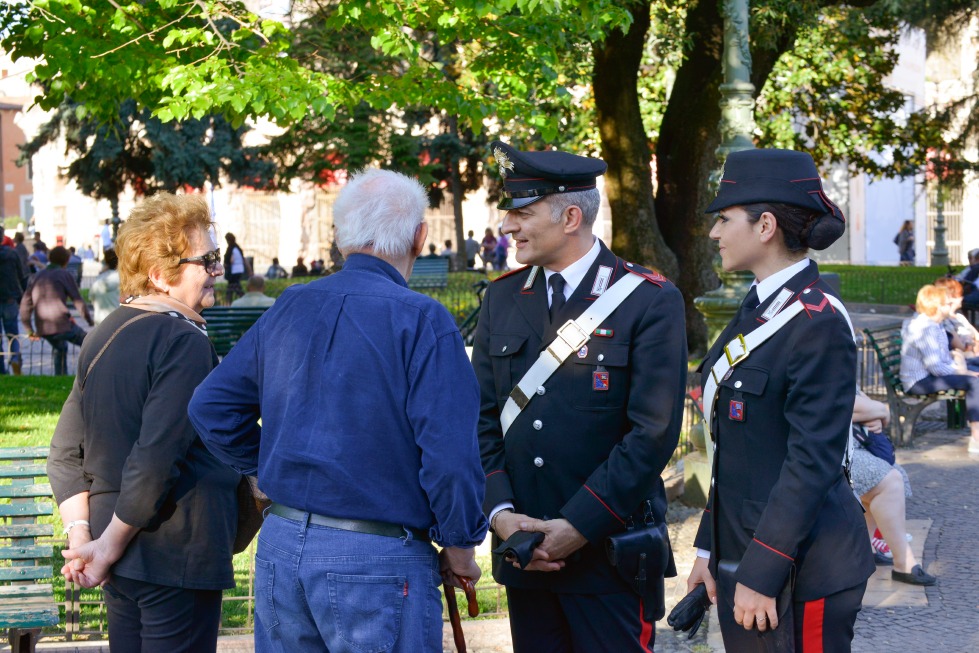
(604, 504)
(771, 549)
(646, 634)
(812, 626)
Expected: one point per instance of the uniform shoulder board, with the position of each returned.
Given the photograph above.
(510, 273)
(648, 275)
(814, 300)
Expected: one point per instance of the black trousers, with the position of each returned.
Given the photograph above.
(148, 618)
(821, 626)
(547, 622)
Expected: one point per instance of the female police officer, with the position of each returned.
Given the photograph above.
(781, 520)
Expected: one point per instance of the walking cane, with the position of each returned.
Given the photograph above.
(454, 618)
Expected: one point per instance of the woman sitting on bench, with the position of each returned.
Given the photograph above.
(927, 365)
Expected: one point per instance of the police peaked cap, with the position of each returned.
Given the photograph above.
(530, 176)
(780, 177)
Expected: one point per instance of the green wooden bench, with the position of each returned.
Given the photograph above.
(906, 408)
(226, 325)
(429, 273)
(26, 594)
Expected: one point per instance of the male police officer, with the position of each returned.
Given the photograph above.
(574, 452)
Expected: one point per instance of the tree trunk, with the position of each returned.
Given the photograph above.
(625, 147)
(684, 160)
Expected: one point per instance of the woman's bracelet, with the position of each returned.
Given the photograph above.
(78, 522)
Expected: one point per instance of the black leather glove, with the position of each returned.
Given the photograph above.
(690, 611)
(520, 547)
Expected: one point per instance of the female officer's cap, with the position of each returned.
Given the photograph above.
(531, 176)
(780, 177)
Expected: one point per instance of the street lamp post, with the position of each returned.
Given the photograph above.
(939, 253)
(737, 124)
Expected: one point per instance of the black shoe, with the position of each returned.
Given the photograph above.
(916, 576)
(881, 559)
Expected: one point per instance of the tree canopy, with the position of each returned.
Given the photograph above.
(354, 80)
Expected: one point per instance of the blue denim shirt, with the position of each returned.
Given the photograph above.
(368, 405)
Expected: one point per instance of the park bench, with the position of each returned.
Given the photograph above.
(26, 595)
(905, 408)
(429, 273)
(226, 324)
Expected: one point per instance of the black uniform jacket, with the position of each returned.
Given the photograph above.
(779, 497)
(591, 456)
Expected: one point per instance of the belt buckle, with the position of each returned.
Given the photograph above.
(573, 335)
(734, 359)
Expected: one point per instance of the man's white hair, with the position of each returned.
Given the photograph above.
(379, 209)
(589, 201)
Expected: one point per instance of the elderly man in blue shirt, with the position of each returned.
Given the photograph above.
(367, 442)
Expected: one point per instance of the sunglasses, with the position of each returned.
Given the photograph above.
(209, 260)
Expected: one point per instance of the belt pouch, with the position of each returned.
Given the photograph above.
(640, 555)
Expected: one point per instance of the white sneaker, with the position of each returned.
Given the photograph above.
(973, 446)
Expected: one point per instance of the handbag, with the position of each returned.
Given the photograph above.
(779, 640)
(251, 512)
(876, 443)
(641, 556)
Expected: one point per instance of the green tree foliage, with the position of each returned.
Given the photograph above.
(147, 155)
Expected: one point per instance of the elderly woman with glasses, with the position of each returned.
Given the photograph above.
(149, 513)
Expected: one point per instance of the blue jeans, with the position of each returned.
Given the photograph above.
(323, 589)
(59, 347)
(9, 315)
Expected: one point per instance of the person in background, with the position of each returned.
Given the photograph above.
(472, 249)
(501, 252)
(488, 245)
(106, 235)
(882, 488)
(905, 243)
(969, 278)
(149, 513)
(255, 295)
(21, 250)
(431, 251)
(45, 300)
(371, 456)
(39, 258)
(75, 265)
(299, 269)
(781, 518)
(38, 243)
(235, 267)
(104, 292)
(927, 365)
(276, 271)
(316, 268)
(13, 281)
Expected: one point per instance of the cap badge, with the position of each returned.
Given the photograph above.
(503, 160)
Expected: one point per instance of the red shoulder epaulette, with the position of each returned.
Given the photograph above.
(510, 273)
(648, 275)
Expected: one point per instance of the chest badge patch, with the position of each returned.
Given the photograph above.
(736, 410)
(583, 352)
(599, 381)
(604, 333)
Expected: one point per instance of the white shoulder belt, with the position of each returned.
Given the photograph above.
(741, 346)
(571, 337)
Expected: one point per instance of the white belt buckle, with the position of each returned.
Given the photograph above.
(571, 335)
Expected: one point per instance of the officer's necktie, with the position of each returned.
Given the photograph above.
(750, 302)
(556, 282)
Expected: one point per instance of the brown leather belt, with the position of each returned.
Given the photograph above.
(356, 525)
